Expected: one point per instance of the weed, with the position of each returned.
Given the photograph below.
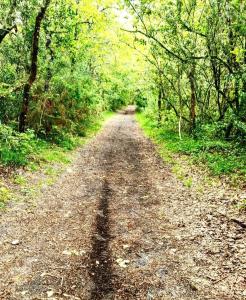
(5, 195)
(242, 205)
(188, 182)
(20, 180)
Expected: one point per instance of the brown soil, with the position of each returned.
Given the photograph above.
(119, 225)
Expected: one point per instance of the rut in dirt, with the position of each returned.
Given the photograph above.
(100, 258)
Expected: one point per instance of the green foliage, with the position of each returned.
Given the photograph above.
(63, 139)
(221, 157)
(21, 149)
(83, 67)
(5, 195)
(196, 56)
(15, 147)
(140, 100)
(242, 205)
(20, 180)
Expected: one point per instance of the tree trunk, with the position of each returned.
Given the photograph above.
(192, 99)
(33, 69)
(180, 105)
(159, 106)
(228, 130)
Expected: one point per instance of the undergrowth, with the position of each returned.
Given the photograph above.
(28, 151)
(21, 149)
(221, 157)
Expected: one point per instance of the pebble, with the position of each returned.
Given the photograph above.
(15, 242)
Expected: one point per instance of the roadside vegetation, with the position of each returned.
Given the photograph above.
(30, 164)
(197, 60)
(25, 149)
(222, 158)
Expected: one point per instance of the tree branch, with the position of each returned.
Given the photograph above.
(6, 31)
(158, 42)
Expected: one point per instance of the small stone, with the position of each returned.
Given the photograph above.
(122, 263)
(50, 293)
(161, 272)
(100, 238)
(23, 293)
(15, 242)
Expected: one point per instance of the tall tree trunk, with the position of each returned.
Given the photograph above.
(192, 99)
(159, 105)
(180, 105)
(33, 69)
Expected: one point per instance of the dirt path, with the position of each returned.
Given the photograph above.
(119, 225)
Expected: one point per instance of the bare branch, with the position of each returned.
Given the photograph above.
(157, 41)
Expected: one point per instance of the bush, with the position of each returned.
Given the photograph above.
(15, 147)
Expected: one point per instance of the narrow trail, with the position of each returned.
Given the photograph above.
(119, 225)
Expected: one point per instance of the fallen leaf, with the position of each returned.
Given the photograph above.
(68, 214)
(67, 252)
(100, 238)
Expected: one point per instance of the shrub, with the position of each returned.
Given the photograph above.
(15, 147)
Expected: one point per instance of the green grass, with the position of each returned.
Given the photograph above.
(221, 157)
(5, 195)
(96, 124)
(39, 155)
(25, 149)
(20, 180)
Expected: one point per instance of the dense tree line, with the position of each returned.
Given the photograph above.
(62, 62)
(197, 49)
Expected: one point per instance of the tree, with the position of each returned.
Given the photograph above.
(34, 67)
(206, 40)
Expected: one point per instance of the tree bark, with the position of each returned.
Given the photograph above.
(33, 69)
(159, 105)
(192, 99)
